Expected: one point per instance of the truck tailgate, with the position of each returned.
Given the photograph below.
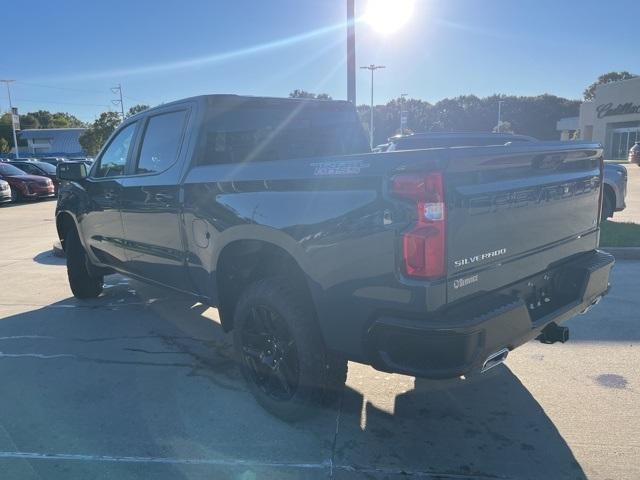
(508, 204)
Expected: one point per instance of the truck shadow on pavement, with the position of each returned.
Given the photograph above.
(48, 258)
(146, 375)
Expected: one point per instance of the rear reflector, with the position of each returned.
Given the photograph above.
(423, 246)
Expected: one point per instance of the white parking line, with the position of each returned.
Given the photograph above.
(161, 460)
(324, 465)
(35, 355)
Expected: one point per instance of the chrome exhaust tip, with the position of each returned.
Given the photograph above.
(495, 359)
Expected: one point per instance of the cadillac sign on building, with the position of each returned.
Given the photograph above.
(611, 118)
(608, 109)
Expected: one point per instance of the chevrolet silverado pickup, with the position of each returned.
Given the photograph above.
(433, 263)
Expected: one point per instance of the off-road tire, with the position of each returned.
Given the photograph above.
(82, 282)
(314, 379)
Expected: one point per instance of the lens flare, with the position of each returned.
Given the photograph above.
(388, 16)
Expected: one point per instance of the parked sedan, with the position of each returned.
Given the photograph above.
(634, 154)
(5, 192)
(25, 186)
(41, 169)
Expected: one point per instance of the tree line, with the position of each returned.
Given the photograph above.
(39, 119)
(528, 115)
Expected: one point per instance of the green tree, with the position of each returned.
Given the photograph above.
(136, 109)
(590, 91)
(66, 120)
(6, 131)
(45, 118)
(99, 131)
(28, 121)
(503, 127)
(4, 146)
(304, 94)
(535, 116)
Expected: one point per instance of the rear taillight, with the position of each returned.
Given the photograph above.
(423, 246)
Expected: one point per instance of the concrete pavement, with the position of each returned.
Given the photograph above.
(141, 383)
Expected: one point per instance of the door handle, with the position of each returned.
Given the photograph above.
(109, 195)
(163, 197)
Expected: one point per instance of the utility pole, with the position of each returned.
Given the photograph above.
(372, 68)
(118, 90)
(13, 125)
(403, 119)
(500, 102)
(351, 52)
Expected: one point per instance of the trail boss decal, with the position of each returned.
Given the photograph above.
(339, 167)
(479, 258)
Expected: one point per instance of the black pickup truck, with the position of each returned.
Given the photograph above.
(434, 262)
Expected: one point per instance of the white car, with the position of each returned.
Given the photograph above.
(5, 192)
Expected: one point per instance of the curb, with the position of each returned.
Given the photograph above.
(623, 253)
(57, 249)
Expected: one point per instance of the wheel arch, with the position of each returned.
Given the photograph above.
(610, 193)
(245, 261)
(64, 222)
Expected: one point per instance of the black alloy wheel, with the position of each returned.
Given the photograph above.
(269, 353)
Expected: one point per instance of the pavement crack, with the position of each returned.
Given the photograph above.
(152, 352)
(335, 436)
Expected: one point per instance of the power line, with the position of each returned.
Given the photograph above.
(80, 90)
(39, 85)
(134, 99)
(54, 102)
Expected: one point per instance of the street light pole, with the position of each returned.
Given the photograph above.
(402, 117)
(13, 126)
(351, 52)
(372, 68)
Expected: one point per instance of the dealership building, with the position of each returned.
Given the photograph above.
(612, 118)
(52, 141)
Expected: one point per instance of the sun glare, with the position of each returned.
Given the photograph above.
(388, 16)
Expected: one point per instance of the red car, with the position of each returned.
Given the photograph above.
(25, 186)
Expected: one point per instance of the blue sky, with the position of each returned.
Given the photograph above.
(66, 55)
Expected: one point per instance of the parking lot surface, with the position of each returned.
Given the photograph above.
(141, 383)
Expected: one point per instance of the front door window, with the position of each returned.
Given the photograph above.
(114, 158)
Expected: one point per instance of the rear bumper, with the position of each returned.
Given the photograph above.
(458, 341)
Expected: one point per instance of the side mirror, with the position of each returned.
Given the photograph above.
(71, 171)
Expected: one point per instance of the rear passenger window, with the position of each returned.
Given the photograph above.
(279, 133)
(161, 142)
